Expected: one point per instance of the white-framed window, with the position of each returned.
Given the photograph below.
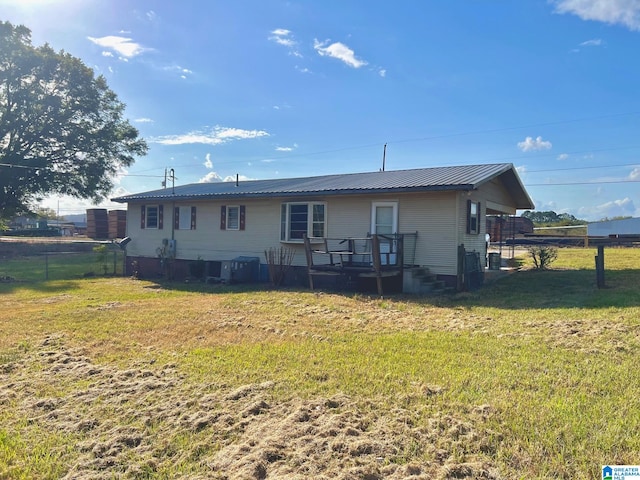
(473, 217)
(233, 217)
(300, 218)
(185, 218)
(151, 216)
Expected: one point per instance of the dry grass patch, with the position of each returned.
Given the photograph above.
(532, 377)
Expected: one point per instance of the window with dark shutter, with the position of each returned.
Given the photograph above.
(473, 217)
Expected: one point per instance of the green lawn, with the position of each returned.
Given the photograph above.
(532, 377)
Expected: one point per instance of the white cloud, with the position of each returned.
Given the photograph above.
(183, 72)
(563, 156)
(283, 37)
(340, 51)
(287, 149)
(233, 178)
(614, 12)
(635, 174)
(530, 144)
(382, 72)
(614, 208)
(107, 54)
(143, 120)
(522, 170)
(208, 163)
(210, 177)
(216, 136)
(122, 45)
(596, 42)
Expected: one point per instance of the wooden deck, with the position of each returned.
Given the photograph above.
(374, 256)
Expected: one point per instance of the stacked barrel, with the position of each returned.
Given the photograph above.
(97, 223)
(117, 224)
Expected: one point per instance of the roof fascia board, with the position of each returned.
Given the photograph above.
(355, 191)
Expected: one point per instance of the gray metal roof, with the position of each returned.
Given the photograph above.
(467, 177)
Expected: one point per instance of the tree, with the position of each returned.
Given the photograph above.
(61, 128)
(46, 213)
(551, 218)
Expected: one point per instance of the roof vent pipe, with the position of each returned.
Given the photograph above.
(237, 180)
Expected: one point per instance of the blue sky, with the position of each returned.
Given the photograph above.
(287, 88)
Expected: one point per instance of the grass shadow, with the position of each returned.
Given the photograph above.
(542, 289)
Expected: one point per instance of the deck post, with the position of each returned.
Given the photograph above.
(309, 255)
(375, 251)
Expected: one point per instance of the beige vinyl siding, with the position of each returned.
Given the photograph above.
(144, 242)
(439, 218)
(433, 216)
(210, 242)
(496, 195)
(472, 242)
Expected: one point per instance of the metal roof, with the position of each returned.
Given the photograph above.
(467, 177)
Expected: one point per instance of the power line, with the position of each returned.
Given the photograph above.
(599, 182)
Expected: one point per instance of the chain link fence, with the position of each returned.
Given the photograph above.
(35, 260)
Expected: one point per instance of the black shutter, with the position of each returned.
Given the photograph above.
(143, 211)
(242, 217)
(160, 216)
(223, 217)
(193, 218)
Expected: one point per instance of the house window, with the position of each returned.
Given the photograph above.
(473, 217)
(232, 217)
(151, 216)
(185, 218)
(298, 219)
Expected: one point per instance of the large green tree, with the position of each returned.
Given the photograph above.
(62, 129)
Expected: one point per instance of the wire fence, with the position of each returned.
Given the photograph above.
(54, 262)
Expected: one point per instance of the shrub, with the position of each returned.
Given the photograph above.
(279, 261)
(542, 256)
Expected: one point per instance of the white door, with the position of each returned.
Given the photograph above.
(384, 221)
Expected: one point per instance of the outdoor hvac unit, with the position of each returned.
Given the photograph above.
(240, 270)
(245, 269)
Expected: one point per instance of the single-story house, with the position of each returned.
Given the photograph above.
(441, 209)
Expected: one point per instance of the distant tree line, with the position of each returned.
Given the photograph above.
(552, 219)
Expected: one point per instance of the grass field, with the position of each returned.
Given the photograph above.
(532, 377)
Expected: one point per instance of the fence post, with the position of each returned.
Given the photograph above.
(600, 267)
